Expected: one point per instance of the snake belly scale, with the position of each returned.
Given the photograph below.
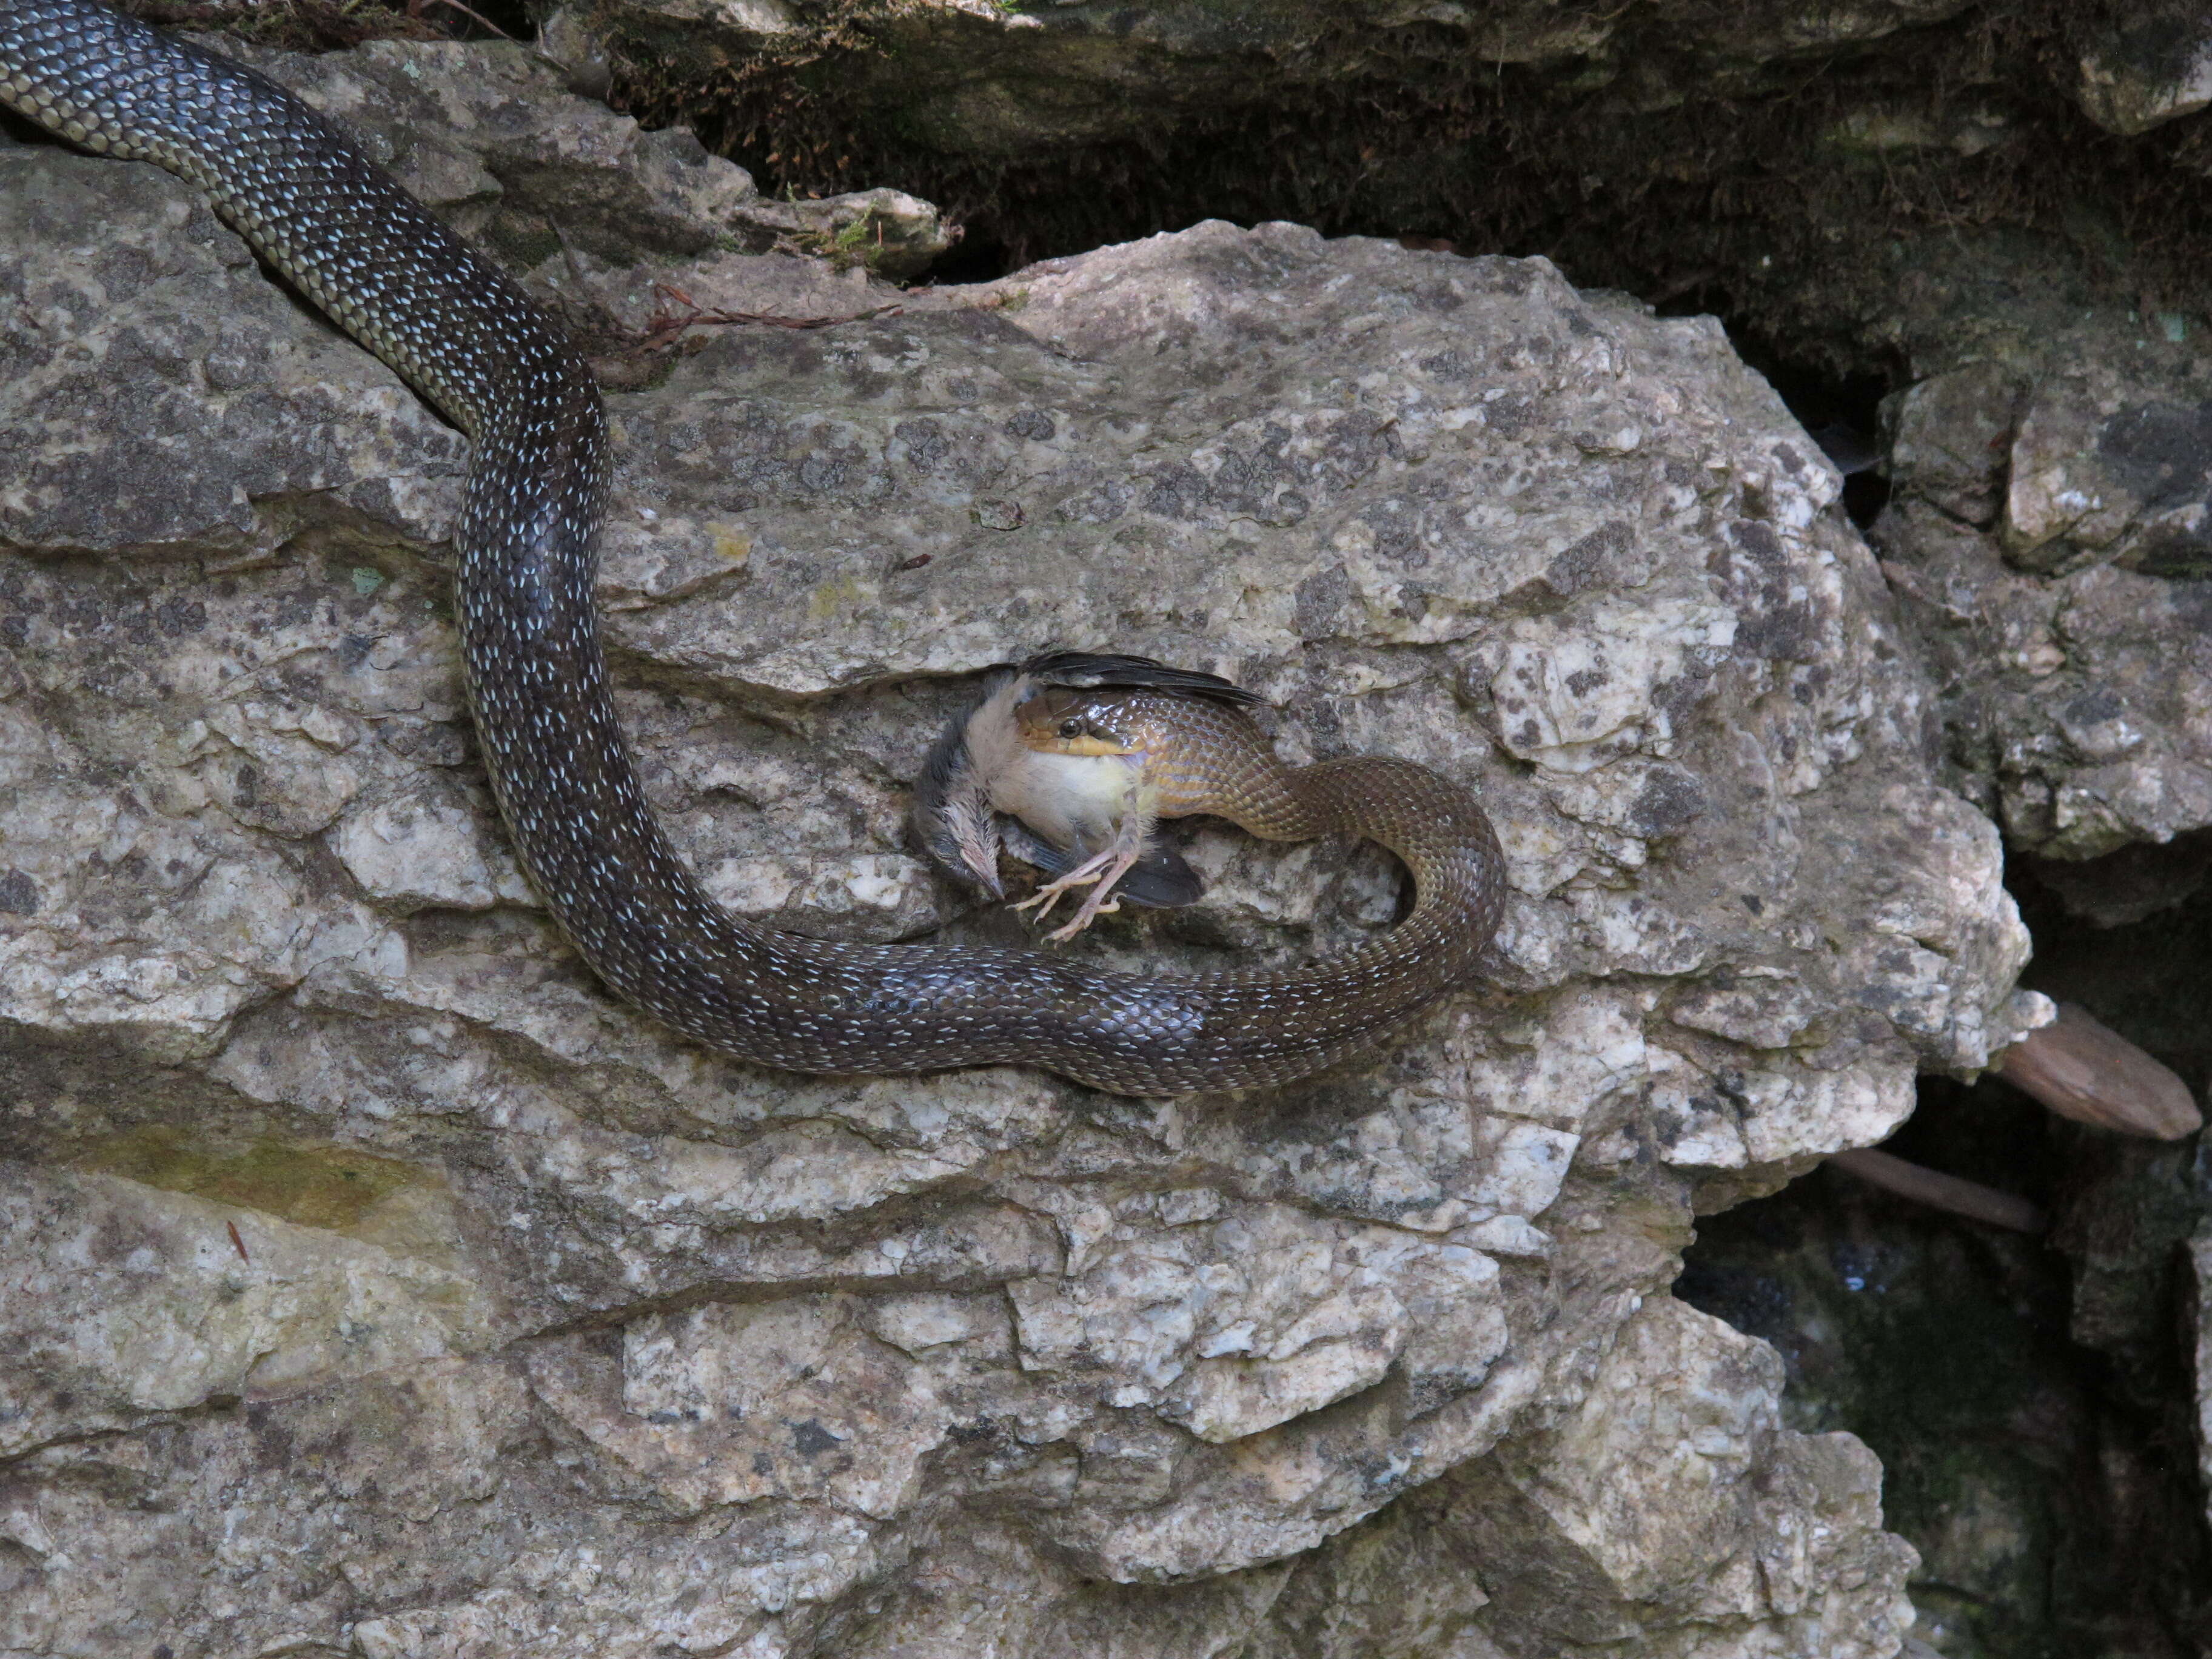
(300, 192)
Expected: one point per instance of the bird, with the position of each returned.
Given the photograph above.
(1035, 769)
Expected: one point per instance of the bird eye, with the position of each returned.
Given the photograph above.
(1071, 728)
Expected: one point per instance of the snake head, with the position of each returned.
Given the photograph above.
(1061, 720)
(952, 816)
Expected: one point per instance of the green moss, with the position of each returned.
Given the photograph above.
(314, 1185)
(859, 243)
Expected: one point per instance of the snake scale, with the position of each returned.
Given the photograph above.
(300, 192)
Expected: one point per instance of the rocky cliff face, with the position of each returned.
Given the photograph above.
(1808, 171)
(378, 1285)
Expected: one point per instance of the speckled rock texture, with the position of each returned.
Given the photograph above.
(376, 1284)
(2051, 544)
(2145, 65)
(2200, 1258)
(1003, 79)
(488, 134)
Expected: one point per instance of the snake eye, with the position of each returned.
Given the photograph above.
(1071, 728)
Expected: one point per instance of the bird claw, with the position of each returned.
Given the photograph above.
(1092, 908)
(1051, 893)
(1100, 874)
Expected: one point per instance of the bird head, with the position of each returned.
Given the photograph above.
(952, 815)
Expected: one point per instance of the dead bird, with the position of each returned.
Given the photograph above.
(1032, 771)
(1089, 753)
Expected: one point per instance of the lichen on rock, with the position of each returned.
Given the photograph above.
(2048, 544)
(672, 1350)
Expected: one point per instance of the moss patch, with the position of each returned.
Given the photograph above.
(314, 1186)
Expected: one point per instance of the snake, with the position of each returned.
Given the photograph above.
(319, 211)
(1069, 762)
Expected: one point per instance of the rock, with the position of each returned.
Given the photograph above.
(887, 232)
(491, 137)
(2130, 1210)
(2140, 880)
(1685, 1515)
(2151, 68)
(1058, 127)
(566, 38)
(2046, 544)
(996, 84)
(1185, 1324)
(2105, 462)
(1918, 1329)
(1664, 1504)
(129, 1304)
(1948, 437)
(488, 136)
(670, 1350)
(2200, 1257)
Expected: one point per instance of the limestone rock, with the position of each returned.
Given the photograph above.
(2146, 66)
(1687, 1514)
(886, 231)
(1662, 1506)
(128, 1303)
(2200, 1255)
(2048, 545)
(634, 1345)
(994, 81)
(488, 136)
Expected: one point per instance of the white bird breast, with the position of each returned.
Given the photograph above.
(1073, 800)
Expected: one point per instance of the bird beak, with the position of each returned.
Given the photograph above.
(981, 855)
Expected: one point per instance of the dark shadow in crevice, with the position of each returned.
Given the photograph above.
(2031, 1399)
(1841, 413)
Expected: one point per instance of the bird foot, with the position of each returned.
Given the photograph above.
(1100, 874)
(1094, 907)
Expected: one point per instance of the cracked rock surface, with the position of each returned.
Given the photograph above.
(2051, 544)
(386, 1288)
(2200, 1259)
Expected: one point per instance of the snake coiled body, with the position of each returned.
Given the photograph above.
(302, 194)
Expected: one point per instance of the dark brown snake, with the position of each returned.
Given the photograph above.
(311, 204)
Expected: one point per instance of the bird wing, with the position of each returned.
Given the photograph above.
(1159, 880)
(1086, 670)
